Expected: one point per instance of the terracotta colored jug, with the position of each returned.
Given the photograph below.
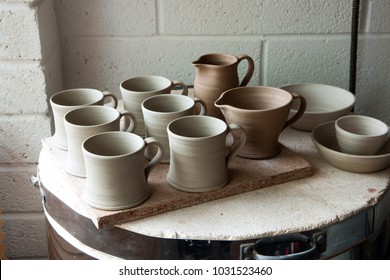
(263, 112)
(216, 73)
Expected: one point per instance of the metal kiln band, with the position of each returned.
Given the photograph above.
(114, 241)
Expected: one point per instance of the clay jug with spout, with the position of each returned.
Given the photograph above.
(216, 73)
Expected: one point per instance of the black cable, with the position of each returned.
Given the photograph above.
(354, 43)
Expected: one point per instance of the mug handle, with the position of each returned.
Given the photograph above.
(128, 125)
(182, 85)
(238, 143)
(203, 110)
(299, 113)
(157, 157)
(250, 69)
(113, 97)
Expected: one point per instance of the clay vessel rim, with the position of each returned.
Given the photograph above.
(60, 96)
(199, 62)
(345, 130)
(245, 90)
(224, 128)
(109, 157)
(176, 96)
(348, 94)
(135, 91)
(88, 108)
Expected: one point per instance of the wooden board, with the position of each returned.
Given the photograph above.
(245, 175)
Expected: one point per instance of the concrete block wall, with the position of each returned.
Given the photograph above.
(105, 42)
(30, 70)
(290, 41)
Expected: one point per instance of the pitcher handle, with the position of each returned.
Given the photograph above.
(203, 108)
(157, 157)
(238, 142)
(299, 113)
(250, 69)
(182, 85)
(114, 98)
(128, 125)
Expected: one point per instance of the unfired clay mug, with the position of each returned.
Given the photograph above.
(117, 175)
(160, 110)
(263, 113)
(84, 122)
(135, 90)
(67, 100)
(199, 153)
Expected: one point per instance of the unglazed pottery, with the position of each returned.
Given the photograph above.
(84, 122)
(135, 90)
(216, 73)
(199, 153)
(117, 175)
(360, 135)
(67, 100)
(159, 110)
(263, 113)
(323, 103)
(324, 139)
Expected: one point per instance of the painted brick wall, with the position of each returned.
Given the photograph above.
(102, 43)
(30, 70)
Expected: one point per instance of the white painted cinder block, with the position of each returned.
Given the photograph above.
(379, 19)
(23, 86)
(106, 18)
(103, 63)
(311, 59)
(19, 31)
(17, 192)
(373, 98)
(20, 137)
(25, 236)
(254, 17)
(30, 67)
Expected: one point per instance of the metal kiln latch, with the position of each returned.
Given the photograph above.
(285, 247)
(36, 182)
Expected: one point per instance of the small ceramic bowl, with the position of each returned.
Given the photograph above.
(360, 135)
(323, 103)
(324, 139)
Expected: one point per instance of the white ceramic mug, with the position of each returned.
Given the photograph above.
(67, 100)
(116, 172)
(360, 135)
(135, 90)
(159, 110)
(199, 153)
(84, 122)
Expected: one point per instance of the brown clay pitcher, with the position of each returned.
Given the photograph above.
(216, 73)
(263, 112)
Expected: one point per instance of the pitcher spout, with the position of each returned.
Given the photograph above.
(221, 104)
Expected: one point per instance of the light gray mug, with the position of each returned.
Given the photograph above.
(135, 90)
(84, 122)
(67, 100)
(116, 169)
(159, 110)
(199, 153)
